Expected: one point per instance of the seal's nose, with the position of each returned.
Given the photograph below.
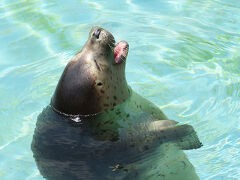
(97, 33)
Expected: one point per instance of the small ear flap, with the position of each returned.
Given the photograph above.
(183, 136)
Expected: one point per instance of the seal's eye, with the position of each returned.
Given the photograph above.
(97, 33)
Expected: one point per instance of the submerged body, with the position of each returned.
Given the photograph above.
(122, 143)
(98, 128)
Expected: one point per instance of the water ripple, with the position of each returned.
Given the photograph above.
(186, 54)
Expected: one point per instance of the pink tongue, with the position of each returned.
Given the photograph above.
(120, 52)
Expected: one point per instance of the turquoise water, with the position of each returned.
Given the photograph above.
(184, 57)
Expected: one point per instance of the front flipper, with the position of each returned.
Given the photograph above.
(153, 150)
(182, 135)
(150, 134)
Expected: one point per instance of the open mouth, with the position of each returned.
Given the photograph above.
(121, 52)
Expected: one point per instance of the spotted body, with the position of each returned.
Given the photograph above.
(97, 127)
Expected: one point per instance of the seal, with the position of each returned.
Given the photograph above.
(97, 127)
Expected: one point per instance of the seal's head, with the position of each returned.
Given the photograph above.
(94, 79)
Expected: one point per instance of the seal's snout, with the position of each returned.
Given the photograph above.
(102, 36)
(97, 32)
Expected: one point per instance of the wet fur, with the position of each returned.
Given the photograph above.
(119, 134)
(91, 82)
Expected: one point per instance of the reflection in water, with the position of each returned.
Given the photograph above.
(116, 144)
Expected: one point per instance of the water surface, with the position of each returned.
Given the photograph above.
(184, 57)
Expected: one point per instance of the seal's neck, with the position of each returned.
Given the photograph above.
(111, 85)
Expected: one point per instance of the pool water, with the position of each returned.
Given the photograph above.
(184, 57)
